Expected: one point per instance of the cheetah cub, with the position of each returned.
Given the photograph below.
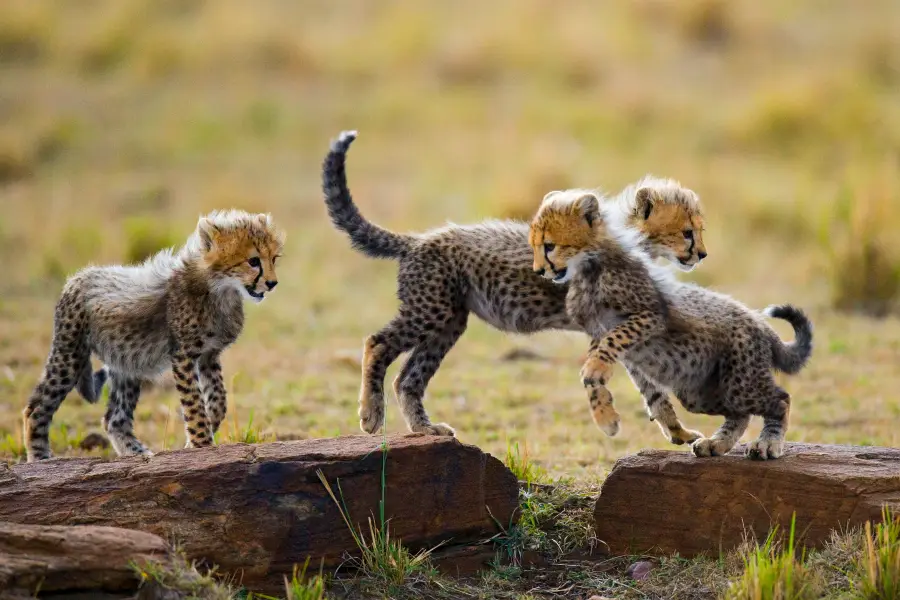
(712, 352)
(178, 309)
(447, 273)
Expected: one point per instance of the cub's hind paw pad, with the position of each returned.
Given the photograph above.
(441, 429)
(765, 449)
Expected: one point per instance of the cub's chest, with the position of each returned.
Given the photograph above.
(591, 308)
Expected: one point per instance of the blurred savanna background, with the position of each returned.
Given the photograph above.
(123, 120)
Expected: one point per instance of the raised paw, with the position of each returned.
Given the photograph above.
(602, 410)
(681, 436)
(371, 415)
(435, 429)
(765, 449)
(709, 447)
(595, 372)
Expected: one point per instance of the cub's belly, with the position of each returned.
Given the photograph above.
(519, 314)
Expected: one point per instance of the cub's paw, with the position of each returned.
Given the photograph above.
(684, 436)
(434, 429)
(709, 447)
(595, 372)
(765, 449)
(126, 451)
(371, 415)
(603, 412)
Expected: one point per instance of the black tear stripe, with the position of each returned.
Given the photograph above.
(260, 274)
(549, 262)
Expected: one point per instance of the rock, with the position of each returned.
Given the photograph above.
(94, 440)
(639, 570)
(256, 510)
(75, 559)
(661, 502)
(520, 354)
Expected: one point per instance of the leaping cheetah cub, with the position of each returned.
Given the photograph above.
(447, 273)
(178, 309)
(713, 352)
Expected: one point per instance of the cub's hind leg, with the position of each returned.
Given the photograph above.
(380, 350)
(124, 392)
(69, 359)
(776, 413)
(420, 367)
(660, 409)
(428, 296)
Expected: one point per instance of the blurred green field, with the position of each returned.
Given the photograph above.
(122, 120)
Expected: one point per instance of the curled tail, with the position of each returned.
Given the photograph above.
(365, 236)
(791, 357)
(90, 383)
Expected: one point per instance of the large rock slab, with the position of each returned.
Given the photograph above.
(58, 559)
(661, 502)
(256, 510)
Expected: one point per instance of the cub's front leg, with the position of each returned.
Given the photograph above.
(196, 422)
(595, 373)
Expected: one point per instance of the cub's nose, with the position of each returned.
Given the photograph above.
(539, 271)
(701, 255)
(271, 284)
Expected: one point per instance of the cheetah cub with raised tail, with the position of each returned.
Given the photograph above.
(178, 309)
(447, 273)
(715, 354)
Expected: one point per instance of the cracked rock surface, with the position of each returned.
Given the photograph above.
(256, 510)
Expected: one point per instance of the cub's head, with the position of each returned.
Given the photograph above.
(670, 218)
(239, 250)
(566, 225)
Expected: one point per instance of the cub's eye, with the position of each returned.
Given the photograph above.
(688, 234)
(254, 262)
(549, 247)
(275, 258)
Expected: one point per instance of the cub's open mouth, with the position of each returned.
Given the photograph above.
(561, 274)
(258, 295)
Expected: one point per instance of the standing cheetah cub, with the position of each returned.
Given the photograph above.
(178, 309)
(485, 269)
(714, 353)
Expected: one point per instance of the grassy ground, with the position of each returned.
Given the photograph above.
(122, 120)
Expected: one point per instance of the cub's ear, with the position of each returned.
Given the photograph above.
(208, 232)
(550, 195)
(589, 207)
(644, 201)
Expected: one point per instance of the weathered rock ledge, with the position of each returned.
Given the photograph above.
(256, 510)
(663, 502)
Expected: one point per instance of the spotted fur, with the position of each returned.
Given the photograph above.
(447, 273)
(716, 355)
(177, 310)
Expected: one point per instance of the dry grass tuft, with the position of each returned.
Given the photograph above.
(865, 256)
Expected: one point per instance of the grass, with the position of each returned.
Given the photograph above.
(180, 577)
(382, 558)
(878, 569)
(234, 433)
(773, 571)
(12, 447)
(521, 465)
